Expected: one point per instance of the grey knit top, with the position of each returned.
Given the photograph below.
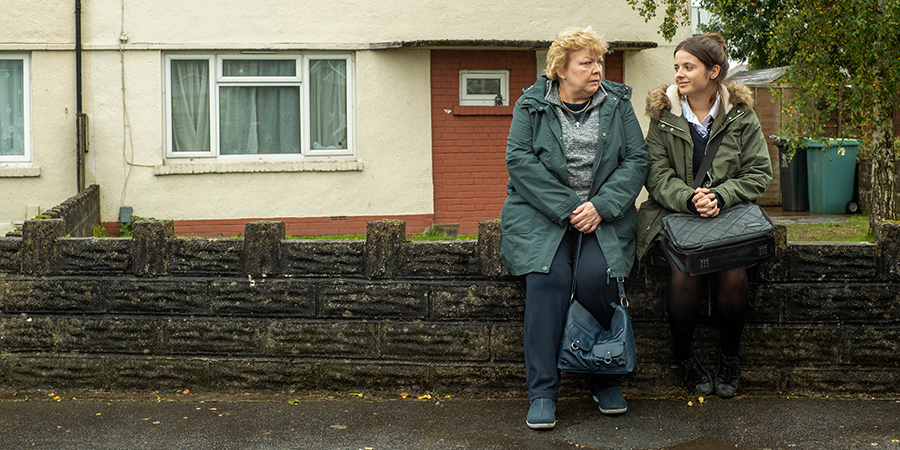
(580, 139)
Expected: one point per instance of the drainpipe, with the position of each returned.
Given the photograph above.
(78, 55)
(80, 117)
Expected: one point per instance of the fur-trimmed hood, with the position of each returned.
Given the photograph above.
(733, 94)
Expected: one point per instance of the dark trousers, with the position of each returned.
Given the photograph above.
(546, 302)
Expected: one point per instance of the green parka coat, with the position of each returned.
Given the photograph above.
(740, 172)
(539, 202)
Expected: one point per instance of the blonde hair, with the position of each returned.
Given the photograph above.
(569, 41)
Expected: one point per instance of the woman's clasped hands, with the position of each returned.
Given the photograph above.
(585, 218)
(705, 202)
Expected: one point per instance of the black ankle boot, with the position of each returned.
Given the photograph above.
(727, 376)
(695, 376)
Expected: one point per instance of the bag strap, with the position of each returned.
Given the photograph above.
(711, 149)
(620, 281)
(575, 268)
(622, 299)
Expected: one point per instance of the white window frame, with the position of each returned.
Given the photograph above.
(217, 80)
(466, 99)
(351, 122)
(26, 157)
(213, 112)
(269, 80)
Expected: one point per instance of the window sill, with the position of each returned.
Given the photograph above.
(20, 172)
(483, 110)
(256, 167)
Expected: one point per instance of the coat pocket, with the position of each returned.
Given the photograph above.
(516, 218)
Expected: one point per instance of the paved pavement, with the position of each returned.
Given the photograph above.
(351, 422)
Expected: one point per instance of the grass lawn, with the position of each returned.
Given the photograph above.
(856, 229)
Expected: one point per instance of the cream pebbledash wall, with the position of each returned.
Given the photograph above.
(338, 24)
(29, 188)
(391, 174)
(45, 31)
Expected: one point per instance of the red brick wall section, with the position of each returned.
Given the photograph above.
(469, 142)
(613, 63)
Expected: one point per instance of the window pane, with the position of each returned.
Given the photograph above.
(483, 86)
(259, 68)
(328, 104)
(190, 106)
(259, 119)
(12, 107)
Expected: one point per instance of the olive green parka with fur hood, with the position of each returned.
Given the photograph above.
(740, 172)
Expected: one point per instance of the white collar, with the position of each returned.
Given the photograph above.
(702, 126)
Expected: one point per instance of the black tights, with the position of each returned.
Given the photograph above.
(732, 290)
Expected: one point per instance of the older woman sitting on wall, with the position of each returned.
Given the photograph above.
(576, 161)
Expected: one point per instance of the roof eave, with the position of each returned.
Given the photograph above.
(497, 44)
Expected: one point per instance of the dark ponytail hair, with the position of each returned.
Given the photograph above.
(711, 50)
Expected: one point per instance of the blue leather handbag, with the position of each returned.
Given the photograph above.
(587, 347)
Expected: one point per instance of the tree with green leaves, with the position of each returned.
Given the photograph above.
(748, 26)
(844, 58)
(677, 14)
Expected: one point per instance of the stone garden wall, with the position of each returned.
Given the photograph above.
(80, 213)
(264, 314)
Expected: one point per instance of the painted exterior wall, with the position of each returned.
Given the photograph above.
(392, 173)
(27, 188)
(272, 23)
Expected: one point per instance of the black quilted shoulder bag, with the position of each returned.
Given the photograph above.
(738, 236)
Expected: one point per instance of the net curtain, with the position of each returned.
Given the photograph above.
(12, 107)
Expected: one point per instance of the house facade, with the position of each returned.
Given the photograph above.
(322, 115)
